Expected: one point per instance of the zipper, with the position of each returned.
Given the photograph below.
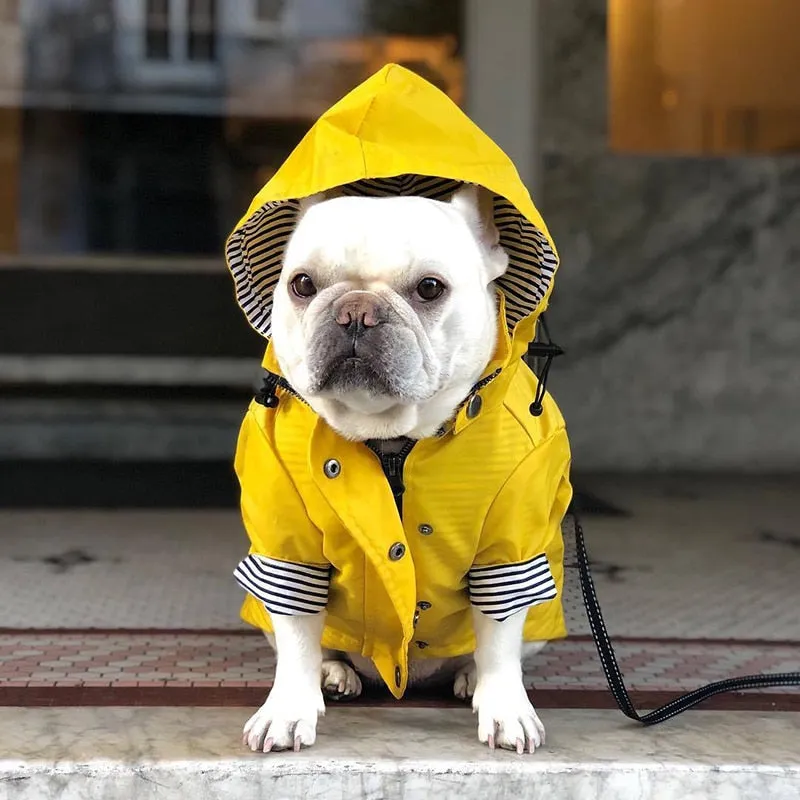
(266, 395)
(287, 387)
(393, 465)
(482, 383)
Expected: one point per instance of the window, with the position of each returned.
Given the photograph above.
(157, 31)
(164, 162)
(704, 76)
(269, 10)
(202, 42)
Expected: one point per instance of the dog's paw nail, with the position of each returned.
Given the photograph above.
(491, 741)
(297, 744)
(268, 744)
(520, 746)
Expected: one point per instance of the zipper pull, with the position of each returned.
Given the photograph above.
(394, 473)
(266, 395)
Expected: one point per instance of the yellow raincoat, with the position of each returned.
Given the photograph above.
(483, 499)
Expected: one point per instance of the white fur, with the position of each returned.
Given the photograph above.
(506, 717)
(288, 718)
(378, 245)
(492, 678)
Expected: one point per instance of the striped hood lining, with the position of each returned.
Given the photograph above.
(255, 250)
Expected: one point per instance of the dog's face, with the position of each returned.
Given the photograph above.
(385, 312)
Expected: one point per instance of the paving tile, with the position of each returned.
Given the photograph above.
(568, 663)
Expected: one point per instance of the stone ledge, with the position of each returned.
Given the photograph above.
(393, 754)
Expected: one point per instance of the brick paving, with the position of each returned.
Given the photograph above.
(219, 659)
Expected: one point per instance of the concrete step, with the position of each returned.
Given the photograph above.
(394, 754)
(120, 429)
(122, 307)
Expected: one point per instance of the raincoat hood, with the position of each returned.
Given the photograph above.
(400, 549)
(395, 134)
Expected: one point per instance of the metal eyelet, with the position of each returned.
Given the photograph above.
(397, 551)
(425, 530)
(332, 468)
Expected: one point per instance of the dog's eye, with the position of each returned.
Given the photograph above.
(430, 288)
(303, 286)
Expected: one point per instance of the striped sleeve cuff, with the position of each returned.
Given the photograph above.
(503, 589)
(284, 587)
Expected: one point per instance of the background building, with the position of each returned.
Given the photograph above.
(657, 143)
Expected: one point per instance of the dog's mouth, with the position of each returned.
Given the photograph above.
(382, 363)
(353, 373)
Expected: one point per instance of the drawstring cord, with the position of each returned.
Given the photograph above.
(548, 351)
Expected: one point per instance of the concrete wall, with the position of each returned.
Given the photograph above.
(678, 299)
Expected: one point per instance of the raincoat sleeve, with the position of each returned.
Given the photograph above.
(520, 558)
(285, 571)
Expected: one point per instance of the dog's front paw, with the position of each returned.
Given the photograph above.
(506, 717)
(288, 719)
(339, 680)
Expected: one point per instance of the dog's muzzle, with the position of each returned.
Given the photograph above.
(363, 346)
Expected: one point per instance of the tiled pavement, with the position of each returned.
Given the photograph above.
(698, 582)
(692, 559)
(127, 659)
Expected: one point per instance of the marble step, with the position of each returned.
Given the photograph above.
(394, 754)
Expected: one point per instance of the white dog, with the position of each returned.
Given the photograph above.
(384, 318)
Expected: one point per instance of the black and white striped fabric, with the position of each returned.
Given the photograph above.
(501, 590)
(284, 587)
(255, 251)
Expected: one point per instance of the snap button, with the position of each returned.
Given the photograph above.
(416, 617)
(397, 551)
(332, 468)
(441, 432)
(422, 645)
(425, 530)
(398, 677)
(474, 406)
(423, 605)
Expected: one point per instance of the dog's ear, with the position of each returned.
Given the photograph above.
(476, 205)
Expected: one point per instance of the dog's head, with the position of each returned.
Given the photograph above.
(386, 313)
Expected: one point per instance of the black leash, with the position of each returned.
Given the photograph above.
(544, 347)
(610, 665)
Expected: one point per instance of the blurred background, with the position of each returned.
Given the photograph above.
(660, 139)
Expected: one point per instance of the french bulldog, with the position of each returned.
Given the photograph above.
(384, 317)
